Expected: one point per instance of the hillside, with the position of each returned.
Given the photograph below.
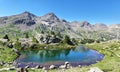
(27, 21)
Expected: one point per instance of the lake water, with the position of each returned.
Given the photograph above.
(77, 56)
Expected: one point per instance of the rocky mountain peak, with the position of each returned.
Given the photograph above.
(50, 14)
(74, 22)
(27, 14)
(50, 17)
(84, 24)
(25, 18)
(100, 26)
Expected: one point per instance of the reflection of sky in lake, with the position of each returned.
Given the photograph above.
(80, 54)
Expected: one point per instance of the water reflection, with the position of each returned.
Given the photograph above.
(79, 54)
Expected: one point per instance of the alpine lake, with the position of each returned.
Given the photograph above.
(80, 55)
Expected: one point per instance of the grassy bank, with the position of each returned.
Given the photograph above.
(110, 63)
(7, 55)
(111, 50)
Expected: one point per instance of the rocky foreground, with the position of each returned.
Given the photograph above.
(63, 68)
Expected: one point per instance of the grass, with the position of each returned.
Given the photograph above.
(110, 63)
(7, 55)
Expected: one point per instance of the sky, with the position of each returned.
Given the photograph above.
(93, 11)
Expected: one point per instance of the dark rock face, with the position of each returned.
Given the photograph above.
(47, 39)
(24, 18)
(55, 40)
(24, 21)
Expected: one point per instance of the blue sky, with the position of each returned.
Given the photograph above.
(93, 11)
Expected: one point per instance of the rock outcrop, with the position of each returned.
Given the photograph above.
(47, 39)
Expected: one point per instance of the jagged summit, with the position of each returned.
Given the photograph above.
(50, 17)
(50, 14)
(84, 23)
(26, 13)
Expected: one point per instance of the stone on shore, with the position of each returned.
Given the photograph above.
(38, 66)
(95, 69)
(27, 66)
(52, 67)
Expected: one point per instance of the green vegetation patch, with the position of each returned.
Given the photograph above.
(111, 61)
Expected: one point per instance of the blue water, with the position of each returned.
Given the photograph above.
(46, 56)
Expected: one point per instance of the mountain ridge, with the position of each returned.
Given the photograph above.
(27, 19)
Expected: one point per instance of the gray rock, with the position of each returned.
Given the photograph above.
(20, 69)
(27, 66)
(65, 66)
(38, 66)
(62, 66)
(66, 62)
(2, 63)
(80, 66)
(52, 67)
(10, 45)
(95, 69)
(44, 68)
(16, 51)
(12, 68)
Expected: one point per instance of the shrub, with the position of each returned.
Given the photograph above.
(6, 37)
(67, 40)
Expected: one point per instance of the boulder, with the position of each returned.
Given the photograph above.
(20, 70)
(62, 67)
(44, 68)
(80, 66)
(10, 45)
(3, 40)
(38, 66)
(52, 67)
(2, 63)
(95, 69)
(12, 68)
(16, 51)
(27, 66)
(66, 62)
(65, 66)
